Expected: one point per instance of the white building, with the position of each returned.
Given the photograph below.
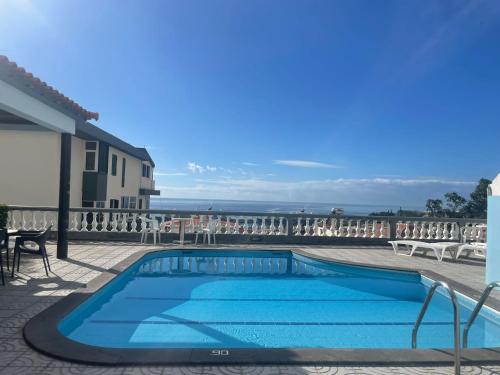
(51, 156)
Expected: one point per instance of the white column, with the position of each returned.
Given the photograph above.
(493, 236)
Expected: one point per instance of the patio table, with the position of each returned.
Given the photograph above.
(182, 229)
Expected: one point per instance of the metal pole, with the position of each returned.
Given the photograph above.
(456, 321)
(475, 313)
(64, 191)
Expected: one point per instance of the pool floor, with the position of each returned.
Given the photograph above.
(259, 299)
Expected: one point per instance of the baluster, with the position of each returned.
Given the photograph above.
(114, 222)
(236, 226)
(357, 230)
(104, 223)
(446, 233)
(453, 231)
(315, 227)
(218, 224)
(299, 227)
(44, 220)
(263, 227)
(254, 225)
(281, 228)
(349, 228)
(340, 230)
(307, 227)
(94, 222)
(23, 221)
(438, 233)
(124, 223)
(398, 229)
(272, 227)
(71, 224)
(382, 227)
(33, 220)
(12, 220)
(84, 221)
(423, 230)
(333, 227)
(430, 232)
(246, 228)
(133, 224)
(415, 230)
(374, 229)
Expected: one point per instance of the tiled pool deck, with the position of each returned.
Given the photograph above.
(31, 292)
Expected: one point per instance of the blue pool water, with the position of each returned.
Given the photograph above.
(264, 299)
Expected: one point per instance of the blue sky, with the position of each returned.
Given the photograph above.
(382, 102)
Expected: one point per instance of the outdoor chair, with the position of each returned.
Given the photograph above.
(479, 249)
(149, 226)
(38, 238)
(4, 244)
(206, 226)
(439, 248)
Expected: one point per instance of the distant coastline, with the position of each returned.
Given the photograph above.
(271, 207)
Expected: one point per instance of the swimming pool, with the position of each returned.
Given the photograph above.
(225, 300)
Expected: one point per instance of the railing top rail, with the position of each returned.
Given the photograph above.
(479, 305)
(244, 213)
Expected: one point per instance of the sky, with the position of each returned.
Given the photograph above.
(368, 102)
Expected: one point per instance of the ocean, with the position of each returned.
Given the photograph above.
(270, 207)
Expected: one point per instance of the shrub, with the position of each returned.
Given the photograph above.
(3, 215)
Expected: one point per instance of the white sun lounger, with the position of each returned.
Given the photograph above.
(439, 248)
(479, 249)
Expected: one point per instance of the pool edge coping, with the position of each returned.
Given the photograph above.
(42, 334)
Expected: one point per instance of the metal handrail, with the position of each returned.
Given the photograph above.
(456, 321)
(475, 313)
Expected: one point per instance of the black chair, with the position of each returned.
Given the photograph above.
(30, 236)
(4, 244)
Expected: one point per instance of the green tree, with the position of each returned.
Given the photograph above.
(434, 207)
(478, 203)
(455, 203)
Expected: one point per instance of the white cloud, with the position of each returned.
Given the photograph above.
(249, 164)
(197, 168)
(170, 174)
(410, 191)
(304, 164)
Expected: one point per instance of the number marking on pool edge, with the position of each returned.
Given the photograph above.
(219, 352)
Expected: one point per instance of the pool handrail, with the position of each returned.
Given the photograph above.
(479, 305)
(456, 321)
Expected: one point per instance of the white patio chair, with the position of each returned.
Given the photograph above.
(150, 226)
(479, 249)
(439, 248)
(206, 226)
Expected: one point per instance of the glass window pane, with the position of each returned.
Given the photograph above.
(90, 161)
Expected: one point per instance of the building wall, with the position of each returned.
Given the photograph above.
(77, 165)
(30, 165)
(133, 172)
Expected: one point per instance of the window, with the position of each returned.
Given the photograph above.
(114, 203)
(91, 146)
(132, 203)
(114, 162)
(88, 204)
(90, 156)
(123, 172)
(100, 204)
(124, 202)
(146, 170)
(140, 204)
(90, 161)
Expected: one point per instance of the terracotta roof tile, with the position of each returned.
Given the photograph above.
(46, 89)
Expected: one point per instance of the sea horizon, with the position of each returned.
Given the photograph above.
(284, 207)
